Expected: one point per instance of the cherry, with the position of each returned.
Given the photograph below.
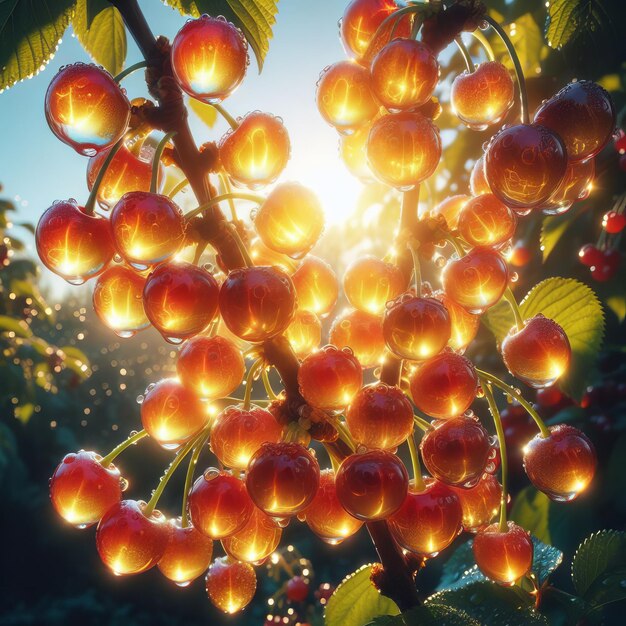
(172, 414)
(344, 96)
(262, 255)
(290, 220)
(118, 300)
(372, 485)
(297, 589)
(352, 149)
(257, 303)
(238, 433)
(464, 325)
(590, 255)
(404, 74)
(180, 300)
(561, 465)
(380, 416)
(316, 286)
(608, 267)
(187, 554)
(82, 490)
(362, 333)
(480, 504)
(325, 515)
(256, 152)
(444, 386)
(428, 520)
(477, 280)
(485, 221)
(148, 228)
(330, 378)
(416, 328)
(521, 255)
(209, 58)
(525, 165)
(450, 208)
(478, 181)
(483, 97)
(576, 185)
(72, 244)
(613, 222)
(255, 541)
(219, 504)
(282, 478)
(503, 556)
(369, 283)
(212, 367)
(230, 584)
(403, 149)
(539, 353)
(128, 540)
(304, 333)
(549, 397)
(86, 109)
(583, 114)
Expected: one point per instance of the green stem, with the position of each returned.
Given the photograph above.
(129, 70)
(133, 439)
(510, 298)
(417, 271)
(231, 204)
(156, 160)
(252, 197)
(193, 461)
(178, 187)
(93, 195)
(344, 433)
(485, 44)
(396, 15)
(268, 386)
(232, 122)
(421, 423)
(467, 57)
(250, 381)
(334, 461)
(418, 479)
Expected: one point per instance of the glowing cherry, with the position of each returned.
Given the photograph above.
(369, 283)
(477, 280)
(82, 490)
(561, 465)
(450, 208)
(428, 520)
(262, 255)
(118, 300)
(148, 228)
(72, 244)
(86, 109)
(128, 540)
(304, 333)
(583, 115)
(255, 153)
(209, 58)
(330, 378)
(290, 220)
(480, 504)
(256, 540)
(416, 328)
(464, 325)
(325, 515)
(504, 556)
(212, 367)
(316, 286)
(483, 97)
(525, 165)
(257, 303)
(219, 504)
(180, 300)
(403, 149)
(372, 485)
(539, 353)
(444, 386)
(521, 255)
(187, 554)
(171, 413)
(352, 149)
(478, 181)
(576, 185)
(230, 584)
(362, 333)
(485, 221)
(238, 433)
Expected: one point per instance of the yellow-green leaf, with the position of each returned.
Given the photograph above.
(19, 327)
(527, 38)
(77, 361)
(561, 23)
(23, 412)
(206, 112)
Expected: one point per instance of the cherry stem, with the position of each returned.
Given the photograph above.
(344, 433)
(93, 195)
(397, 16)
(200, 248)
(422, 423)
(233, 123)
(456, 244)
(252, 372)
(129, 70)
(193, 461)
(334, 460)
(231, 204)
(156, 160)
(132, 440)
(252, 197)
(510, 298)
(417, 271)
(467, 57)
(268, 386)
(485, 44)
(177, 188)
(515, 394)
(418, 479)
(519, 73)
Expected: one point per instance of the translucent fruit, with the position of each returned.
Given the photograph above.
(480, 504)
(262, 255)
(304, 333)
(362, 333)
(485, 221)
(352, 149)
(316, 285)
(72, 244)
(255, 153)
(256, 540)
(86, 109)
(561, 465)
(450, 208)
(230, 584)
(369, 283)
(576, 185)
(464, 325)
(478, 181)
(82, 490)
(209, 58)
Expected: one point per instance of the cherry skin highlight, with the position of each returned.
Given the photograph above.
(450, 208)
(352, 150)
(480, 504)
(362, 333)
(464, 325)
(576, 185)
(316, 286)
(485, 221)
(230, 584)
(304, 333)
(478, 181)
(256, 541)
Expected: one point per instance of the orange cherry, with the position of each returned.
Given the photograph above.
(316, 286)
(352, 149)
(362, 333)
(262, 255)
(478, 181)
(485, 221)
(304, 333)
(450, 208)
(464, 325)
(576, 185)
(480, 504)
(369, 283)
(230, 584)
(256, 540)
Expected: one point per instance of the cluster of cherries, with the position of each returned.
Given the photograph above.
(381, 100)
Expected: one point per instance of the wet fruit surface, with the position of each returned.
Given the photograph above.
(362, 333)
(256, 540)
(230, 584)
(480, 504)
(369, 283)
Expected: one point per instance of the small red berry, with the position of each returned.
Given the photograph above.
(590, 256)
(297, 589)
(613, 222)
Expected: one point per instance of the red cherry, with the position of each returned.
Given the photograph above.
(128, 541)
(480, 504)
(478, 182)
(257, 303)
(282, 478)
(230, 584)
(255, 541)
(362, 333)
(485, 221)
(372, 485)
(549, 396)
(297, 589)
(316, 286)
(504, 556)
(561, 465)
(620, 141)
(613, 222)
(72, 244)
(82, 490)
(539, 353)
(464, 325)
(608, 267)
(304, 333)
(521, 255)
(590, 255)
(428, 521)
(576, 185)
(209, 58)
(86, 109)
(219, 504)
(330, 378)
(450, 208)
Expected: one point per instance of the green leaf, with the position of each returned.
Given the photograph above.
(553, 228)
(77, 361)
(23, 412)
(100, 30)
(29, 35)
(527, 38)
(531, 511)
(255, 18)
(569, 19)
(28, 226)
(431, 614)
(19, 327)
(206, 112)
(356, 601)
(6, 205)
